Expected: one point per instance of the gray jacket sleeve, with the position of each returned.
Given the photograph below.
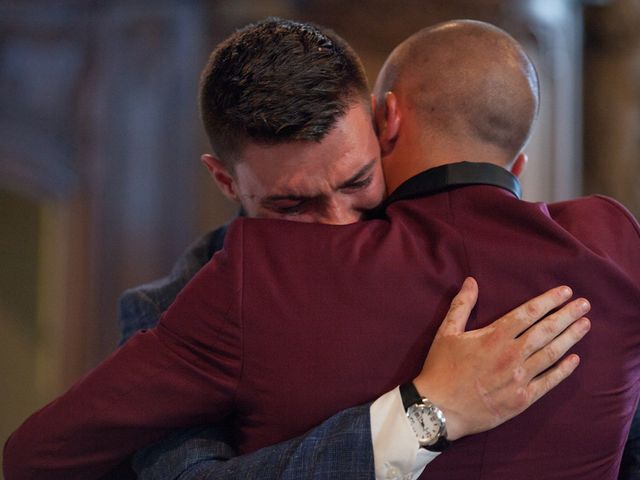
(338, 448)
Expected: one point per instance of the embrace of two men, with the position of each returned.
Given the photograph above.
(292, 322)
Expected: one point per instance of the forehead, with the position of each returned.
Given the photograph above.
(307, 168)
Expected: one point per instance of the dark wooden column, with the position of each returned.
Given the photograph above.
(143, 145)
(612, 102)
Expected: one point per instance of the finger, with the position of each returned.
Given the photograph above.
(547, 381)
(521, 318)
(461, 306)
(549, 355)
(546, 330)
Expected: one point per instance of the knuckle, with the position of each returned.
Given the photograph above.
(572, 335)
(456, 304)
(519, 375)
(527, 349)
(560, 294)
(539, 336)
(548, 329)
(568, 313)
(532, 310)
(562, 371)
(523, 397)
(551, 354)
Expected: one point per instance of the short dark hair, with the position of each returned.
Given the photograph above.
(277, 81)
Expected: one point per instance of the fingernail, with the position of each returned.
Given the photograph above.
(565, 292)
(584, 305)
(585, 324)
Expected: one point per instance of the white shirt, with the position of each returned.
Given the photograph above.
(396, 452)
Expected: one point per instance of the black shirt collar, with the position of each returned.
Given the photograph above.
(447, 177)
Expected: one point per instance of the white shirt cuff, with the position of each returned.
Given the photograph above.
(396, 452)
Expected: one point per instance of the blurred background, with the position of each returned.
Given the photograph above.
(100, 181)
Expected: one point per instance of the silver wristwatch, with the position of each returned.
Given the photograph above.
(426, 419)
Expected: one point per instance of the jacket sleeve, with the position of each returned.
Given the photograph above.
(209, 449)
(338, 448)
(182, 373)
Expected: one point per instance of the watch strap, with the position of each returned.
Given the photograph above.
(409, 394)
(440, 446)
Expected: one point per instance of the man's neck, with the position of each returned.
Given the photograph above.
(409, 159)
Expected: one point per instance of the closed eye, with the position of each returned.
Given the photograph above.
(358, 184)
(288, 205)
(290, 209)
(361, 179)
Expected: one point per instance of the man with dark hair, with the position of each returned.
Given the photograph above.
(284, 84)
(386, 281)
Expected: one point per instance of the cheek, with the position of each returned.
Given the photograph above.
(250, 208)
(376, 192)
(370, 198)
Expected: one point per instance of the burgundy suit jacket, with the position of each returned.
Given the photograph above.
(291, 323)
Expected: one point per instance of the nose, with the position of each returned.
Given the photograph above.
(341, 212)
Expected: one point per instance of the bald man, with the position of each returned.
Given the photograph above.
(491, 105)
(283, 360)
(466, 91)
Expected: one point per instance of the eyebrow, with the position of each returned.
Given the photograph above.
(359, 174)
(293, 197)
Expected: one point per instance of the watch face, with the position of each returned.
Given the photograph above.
(426, 423)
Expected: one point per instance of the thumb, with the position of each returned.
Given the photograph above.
(460, 309)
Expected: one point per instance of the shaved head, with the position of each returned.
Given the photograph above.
(465, 80)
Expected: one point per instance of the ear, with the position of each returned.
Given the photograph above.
(221, 176)
(518, 165)
(387, 120)
(374, 113)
